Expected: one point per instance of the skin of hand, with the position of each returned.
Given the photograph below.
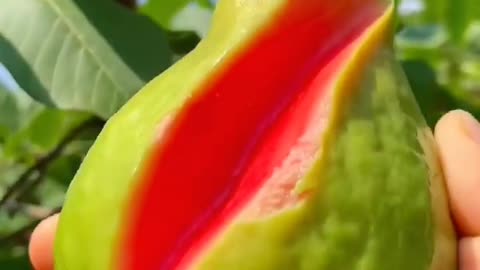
(458, 136)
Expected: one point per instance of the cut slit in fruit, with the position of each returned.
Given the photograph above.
(232, 150)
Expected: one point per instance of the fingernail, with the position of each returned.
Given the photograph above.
(471, 126)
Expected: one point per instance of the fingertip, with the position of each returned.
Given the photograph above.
(42, 244)
(457, 123)
(458, 136)
(469, 253)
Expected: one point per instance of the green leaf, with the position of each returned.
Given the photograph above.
(16, 109)
(50, 126)
(50, 193)
(163, 11)
(11, 224)
(433, 99)
(447, 39)
(457, 19)
(141, 44)
(182, 42)
(180, 15)
(43, 132)
(8, 174)
(192, 17)
(9, 113)
(83, 55)
(63, 169)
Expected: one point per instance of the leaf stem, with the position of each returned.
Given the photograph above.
(25, 182)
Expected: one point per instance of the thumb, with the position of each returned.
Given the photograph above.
(42, 242)
(458, 135)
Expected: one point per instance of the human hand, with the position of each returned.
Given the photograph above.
(458, 135)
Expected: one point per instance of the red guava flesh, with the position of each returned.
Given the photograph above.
(240, 145)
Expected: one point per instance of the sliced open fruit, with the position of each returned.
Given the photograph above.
(288, 139)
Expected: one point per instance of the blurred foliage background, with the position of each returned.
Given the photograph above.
(69, 64)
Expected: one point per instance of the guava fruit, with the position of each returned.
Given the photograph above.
(287, 139)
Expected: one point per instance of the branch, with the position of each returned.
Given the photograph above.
(22, 235)
(41, 166)
(31, 210)
(39, 169)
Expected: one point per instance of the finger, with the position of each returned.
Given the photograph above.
(469, 253)
(41, 244)
(458, 135)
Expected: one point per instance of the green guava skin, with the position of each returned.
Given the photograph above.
(378, 200)
(373, 206)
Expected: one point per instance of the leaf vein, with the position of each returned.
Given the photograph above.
(83, 43)
(43, 47)
(56, 69)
